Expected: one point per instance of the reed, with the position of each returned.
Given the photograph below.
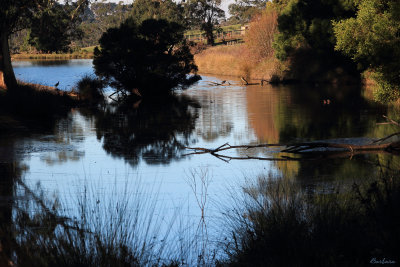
(276, 223)
(90, 88)
(111, 228)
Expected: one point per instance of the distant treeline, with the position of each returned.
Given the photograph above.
(95, 20)
(100, 16)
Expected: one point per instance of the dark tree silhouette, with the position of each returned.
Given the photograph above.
(152, 57)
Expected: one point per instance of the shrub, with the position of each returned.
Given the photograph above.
(278, 224)
(90, 88)
(260, 36)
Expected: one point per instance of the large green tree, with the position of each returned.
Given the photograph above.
(152, 57)
(306, 37)
(167, 10)
(53, 28)
(204, 14)
(17, 15)
(372, 39)
(99, 18)
(243, 10)
(308, 23)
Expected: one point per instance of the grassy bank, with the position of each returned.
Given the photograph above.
(235, 61)
(83, 53)
(31, 105)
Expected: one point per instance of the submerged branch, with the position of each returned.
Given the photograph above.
(313, 149)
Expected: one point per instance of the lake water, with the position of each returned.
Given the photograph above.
(116, 150)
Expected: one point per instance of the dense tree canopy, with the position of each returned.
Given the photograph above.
(152, 56)
(99, 17)
(372, 39)
(17, 15)
(308, 23)
(167, 10)
(204, 14)
(242, 11)
(53, 28)
(306, 37)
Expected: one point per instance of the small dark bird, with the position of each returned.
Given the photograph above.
(57, 84)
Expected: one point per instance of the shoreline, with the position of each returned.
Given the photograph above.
(16, 57)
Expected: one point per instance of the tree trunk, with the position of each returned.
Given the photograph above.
(7, 76)
(208, 28)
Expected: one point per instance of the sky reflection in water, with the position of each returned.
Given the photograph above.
(107, 147)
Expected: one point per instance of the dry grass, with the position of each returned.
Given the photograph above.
(80, 55)
(252, 60)
(235, 61)
(260, 36)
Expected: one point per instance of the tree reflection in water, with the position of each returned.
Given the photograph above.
(156, 131)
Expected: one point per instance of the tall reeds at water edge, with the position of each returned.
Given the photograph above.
(276, 223)
(108, 228)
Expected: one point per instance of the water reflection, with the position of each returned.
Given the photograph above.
(154, 131)
(49, 72)
(296, 114)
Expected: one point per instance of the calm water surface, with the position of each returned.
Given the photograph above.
(115, 149)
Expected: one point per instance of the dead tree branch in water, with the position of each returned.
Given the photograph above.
(331, 150)
(223, 83)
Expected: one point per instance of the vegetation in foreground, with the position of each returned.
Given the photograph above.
(275, 223)
(278, 224)
(122, 231)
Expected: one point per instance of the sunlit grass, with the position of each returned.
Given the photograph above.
(235, 61)
(83, 53)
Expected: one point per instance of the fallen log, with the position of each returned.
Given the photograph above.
(223, 83)
(331, 150)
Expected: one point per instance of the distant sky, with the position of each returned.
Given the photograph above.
(225, 4)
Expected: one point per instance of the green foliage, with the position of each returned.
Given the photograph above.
(308, 23)
(152, 57)
(372, 40)
(204, 14)
(99, 18)
(306, 38)
(243, 10)
(53, 29)
(167, 10)
(384, 90)
(48, 20)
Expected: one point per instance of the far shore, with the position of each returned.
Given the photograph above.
(24, 56)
